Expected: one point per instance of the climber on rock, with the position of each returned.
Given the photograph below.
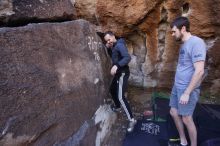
(120, 70)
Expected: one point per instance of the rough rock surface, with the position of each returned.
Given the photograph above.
(53, 79)
(20, 12)
(43, 80)
(145, 25)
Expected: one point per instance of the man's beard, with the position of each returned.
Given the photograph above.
(179, 39)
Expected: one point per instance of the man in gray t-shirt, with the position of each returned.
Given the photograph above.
(189, 73)
(191, 51)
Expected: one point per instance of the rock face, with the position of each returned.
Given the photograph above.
(53, 81)
(54, 76)
(20, 12)
(145, 25)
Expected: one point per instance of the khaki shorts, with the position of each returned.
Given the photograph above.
(184, 109)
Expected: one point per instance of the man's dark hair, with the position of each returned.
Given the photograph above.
(109, 33)
(179, 22)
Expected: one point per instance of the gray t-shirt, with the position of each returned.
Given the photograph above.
(191, 51)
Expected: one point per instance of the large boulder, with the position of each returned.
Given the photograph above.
(53, 82)
(20, 12)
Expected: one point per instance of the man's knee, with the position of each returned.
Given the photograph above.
(173, 112)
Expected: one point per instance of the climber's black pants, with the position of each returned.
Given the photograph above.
(117, 89)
